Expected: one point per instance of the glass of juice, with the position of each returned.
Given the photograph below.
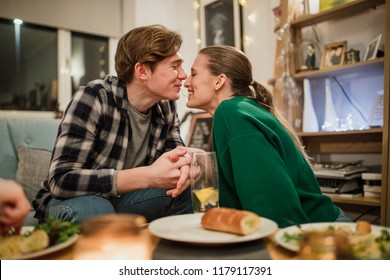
(204, 181)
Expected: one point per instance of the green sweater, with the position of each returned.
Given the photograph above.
(261, 169)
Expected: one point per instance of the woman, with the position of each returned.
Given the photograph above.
(263, 167)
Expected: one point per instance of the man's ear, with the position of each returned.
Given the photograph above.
(221, 80)
(141, 71)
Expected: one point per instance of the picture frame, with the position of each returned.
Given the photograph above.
(200, 133)
(220, 23)
(376, 117)
(330, 4)
(333, 54)
(372, 49)
(309, 55)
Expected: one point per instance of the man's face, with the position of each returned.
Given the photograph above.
(166, 80)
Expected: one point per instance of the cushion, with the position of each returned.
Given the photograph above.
(33, 168)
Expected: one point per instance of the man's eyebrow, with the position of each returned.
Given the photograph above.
(179, 60)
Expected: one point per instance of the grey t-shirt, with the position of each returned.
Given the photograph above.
(140, 127)
(136, 150)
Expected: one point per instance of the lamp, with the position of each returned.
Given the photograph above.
(113, 237)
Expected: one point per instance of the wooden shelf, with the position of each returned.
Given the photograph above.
(344, 10)
(338, 133)
(361, 200)
(363, 66)
(353, 141)
(373, 141)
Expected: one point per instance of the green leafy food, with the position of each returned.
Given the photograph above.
(384, 244)
(293, 238)
(373, 245)
(59, 231)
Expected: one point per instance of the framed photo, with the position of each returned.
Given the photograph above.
(333, 54)
(220, 23)
(330, 4)
(200, 134)
(376, 118)
(372, 49)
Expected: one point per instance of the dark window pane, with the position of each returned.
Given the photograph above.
(89, 58)
(28, 55)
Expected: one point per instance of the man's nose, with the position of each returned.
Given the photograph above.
(182, 74)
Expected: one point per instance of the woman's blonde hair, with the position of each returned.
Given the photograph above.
(236, 66)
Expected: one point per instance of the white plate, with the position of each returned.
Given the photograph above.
(47, 250)
(187, 228)
(279, 236)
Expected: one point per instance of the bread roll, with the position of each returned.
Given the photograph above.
(231, 220)
(363, 227)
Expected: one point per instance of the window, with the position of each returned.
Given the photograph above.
(89, 59)
(28, 55)
(30, 58)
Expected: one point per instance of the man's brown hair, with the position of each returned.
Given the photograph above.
(147, 45)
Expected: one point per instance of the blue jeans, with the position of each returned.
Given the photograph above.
(343, 218)
(150, 203)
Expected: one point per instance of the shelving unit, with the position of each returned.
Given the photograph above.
(369, 201)
(363, 66)
(374, 140)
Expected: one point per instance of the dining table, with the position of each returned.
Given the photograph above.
(263, 249)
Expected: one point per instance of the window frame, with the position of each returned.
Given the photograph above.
(64, 52)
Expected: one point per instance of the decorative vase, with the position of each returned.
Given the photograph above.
(310, 122)
(330, 119)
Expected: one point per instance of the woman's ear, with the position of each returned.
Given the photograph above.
(221, 80)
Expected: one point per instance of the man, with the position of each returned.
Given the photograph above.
(118, 145)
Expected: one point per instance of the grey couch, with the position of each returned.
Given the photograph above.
(25, 151)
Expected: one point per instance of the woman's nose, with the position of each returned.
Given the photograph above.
(187, 83)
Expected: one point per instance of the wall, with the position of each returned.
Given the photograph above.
(260, 49)
(115, 17)
(99, 17)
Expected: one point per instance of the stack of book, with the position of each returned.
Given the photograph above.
(372, 184)
(340, 178)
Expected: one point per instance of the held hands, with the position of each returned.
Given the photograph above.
(171, 171)
(176, 172)
(184, 180)
(14, 207)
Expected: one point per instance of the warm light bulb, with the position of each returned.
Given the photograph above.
(243, 2)
(252, 18)
(196, 5)
(18, 21)
(196, 24)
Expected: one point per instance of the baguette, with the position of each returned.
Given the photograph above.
(231, 220)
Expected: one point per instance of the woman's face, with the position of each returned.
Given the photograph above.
(201, 85)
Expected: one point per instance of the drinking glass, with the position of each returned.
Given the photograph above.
(204, 181)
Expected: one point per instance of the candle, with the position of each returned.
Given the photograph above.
(113, 237)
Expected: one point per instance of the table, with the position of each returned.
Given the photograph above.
(163, 249)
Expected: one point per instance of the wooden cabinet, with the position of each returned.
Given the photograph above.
(368, 141)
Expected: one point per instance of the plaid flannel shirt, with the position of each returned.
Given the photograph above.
(92, 142)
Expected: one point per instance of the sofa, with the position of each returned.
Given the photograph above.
(25, 153)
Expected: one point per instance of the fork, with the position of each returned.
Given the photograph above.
(291, 222)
